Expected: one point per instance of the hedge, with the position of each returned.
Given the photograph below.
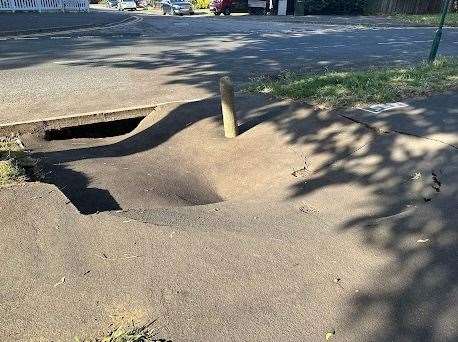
(335, 6)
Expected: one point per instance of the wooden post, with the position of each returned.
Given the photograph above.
(227, 105)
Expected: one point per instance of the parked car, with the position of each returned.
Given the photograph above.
(221, 6)
(141, 3)
(112, 3)
(179, 7)
(127, 5)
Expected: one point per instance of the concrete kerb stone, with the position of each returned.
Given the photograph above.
(41, 126)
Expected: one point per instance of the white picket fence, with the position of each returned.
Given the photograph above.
(44, 5)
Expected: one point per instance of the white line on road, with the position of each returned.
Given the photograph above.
(71, 62)
(95, 28)
(411, 42)
(394, 43)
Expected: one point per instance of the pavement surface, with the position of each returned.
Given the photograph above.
(161, 58)
(307, 223)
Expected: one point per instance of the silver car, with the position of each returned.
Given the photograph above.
(179, 7)
(127, 5)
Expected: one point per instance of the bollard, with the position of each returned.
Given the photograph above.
(227, 105)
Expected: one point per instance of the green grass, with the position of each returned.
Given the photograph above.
(427, 19)
(132, 334)
(339, 89)
(13, 162)
(10, 173)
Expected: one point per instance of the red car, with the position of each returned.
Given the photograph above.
(221, 6)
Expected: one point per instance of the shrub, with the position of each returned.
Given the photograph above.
(335, 6)
(201, 4)
(314, 6)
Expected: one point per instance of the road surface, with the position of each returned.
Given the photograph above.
(161, 58)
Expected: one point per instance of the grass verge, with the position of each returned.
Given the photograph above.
(339, 89)
(427, 19)
(14, 162)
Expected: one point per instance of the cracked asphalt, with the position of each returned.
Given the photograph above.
(159, 59)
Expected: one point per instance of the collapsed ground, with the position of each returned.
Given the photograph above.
(307, 223)
(310, 225)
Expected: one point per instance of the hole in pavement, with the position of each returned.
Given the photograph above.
(96, 130)
(88, 186)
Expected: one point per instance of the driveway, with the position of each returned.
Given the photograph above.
(161, 58)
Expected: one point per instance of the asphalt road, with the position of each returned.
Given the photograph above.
(159, 59)
(23, 22)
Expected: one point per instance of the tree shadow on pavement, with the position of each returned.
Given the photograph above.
(408, 185)
(400, 196)
(114, 69)
(407, 189)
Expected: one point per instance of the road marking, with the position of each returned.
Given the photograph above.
(71, 62)
(68, 37)
(26, 38)
(394, 43)
(96, 28)
(405, 43)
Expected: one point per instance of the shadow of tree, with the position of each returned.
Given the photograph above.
(193, 55)
(409, 183)
(160, 61)
(402, 200)
(397, 175)
(402, 190)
